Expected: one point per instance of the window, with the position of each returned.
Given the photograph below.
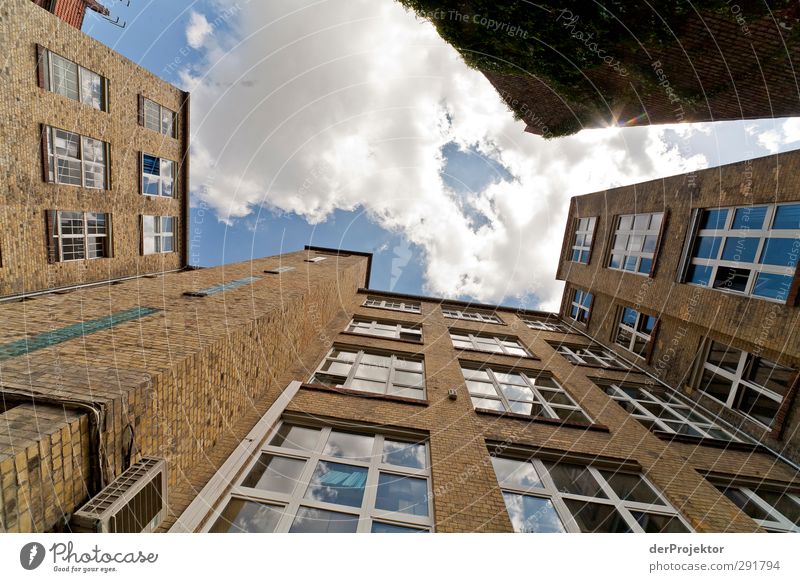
(521, 392)
(582, 243)
(660, 411)
(157, 117)
(326, 480)
(749, 384)
(471, 315)
(540, 325)
(580, 306)
(394, 304)
(590, 356)
(388, 329)
(750, 250)
(278, 270)
(158, 234)
(773, 509)
(635, 240)
(464, 340)
(315, 260)
(79, 235)
(69, 79)
(374, 372)
(635, 331)
(547, 497)
(75, 160)
(158, 176)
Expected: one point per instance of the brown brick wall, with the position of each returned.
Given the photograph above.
(721, 70)
(187, 378)
(465, 492)
(44, 462)
(689, 313)
(25, 196)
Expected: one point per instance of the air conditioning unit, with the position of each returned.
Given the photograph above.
(135, 502)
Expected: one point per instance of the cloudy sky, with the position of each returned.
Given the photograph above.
(350, 123)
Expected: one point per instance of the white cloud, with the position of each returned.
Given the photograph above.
(198, 30)
(336, 105)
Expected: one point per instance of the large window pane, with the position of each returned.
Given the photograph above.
(512, 472)
(349, 446)
(575, 479)
(787, 217)
(275, 474)
(530, 514)
(402, 494)
(631, 488)
(404, 454)
(652, 523)
(296, 437)
(337, 483)
(310, 520)
(242, 516)
(596, 517)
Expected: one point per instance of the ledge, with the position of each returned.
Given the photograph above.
(709, 442)
(381, 337)
(544, 420)
(360, 394)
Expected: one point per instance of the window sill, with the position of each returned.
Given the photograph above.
(474, 351)
(544, 420)
(709, 442)
(391, 309)
(381, 337)
(361, 394)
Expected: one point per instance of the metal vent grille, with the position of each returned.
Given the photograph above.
(135, 502)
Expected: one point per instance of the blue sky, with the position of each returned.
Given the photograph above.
(354, 125)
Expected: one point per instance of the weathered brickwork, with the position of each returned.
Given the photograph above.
(464, 487)
(707, 74)
(25, 196)
(688, 314)
(182, 380)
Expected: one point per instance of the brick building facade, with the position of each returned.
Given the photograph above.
(704, 73)
(95, 152)
(72, 11)
(704, 296)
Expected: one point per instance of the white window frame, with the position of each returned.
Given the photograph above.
(577, 310)
(393, 304)
(737, 381)
(88, 239)
(635, 332)
(582, 239)
(404, 331)
(160, 234)
(677, 411)
(147, 121)
(781, 523)
(591, 356)
(763, 234)
(86, 166)
(161, 179)
(290, 503)
(550, 491)
(390, 383)
(630, 251)
(471, 315)
(474, 339)
(531, 379)
(540, 325)
(80, 73)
